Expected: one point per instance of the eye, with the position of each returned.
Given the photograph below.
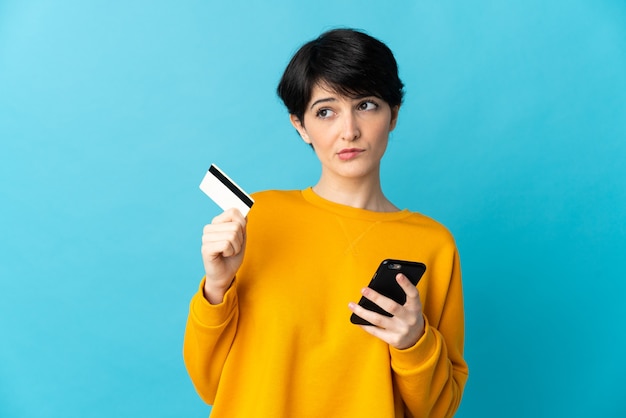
(367, 105)
(324, 113)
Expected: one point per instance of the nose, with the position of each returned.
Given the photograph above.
(350, 131)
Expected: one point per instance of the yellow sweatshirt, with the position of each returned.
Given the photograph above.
(281, 344)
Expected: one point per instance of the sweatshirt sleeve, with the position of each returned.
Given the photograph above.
(431, 375)
(208, 337)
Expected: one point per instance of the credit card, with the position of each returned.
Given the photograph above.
(225, 192)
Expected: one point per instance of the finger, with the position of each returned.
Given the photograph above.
(372, 317)
(413, 305)
(384, 302)
(225, 239)
(378, 332)
(216, 241)
(222, 231)
(393, 338)
(214, 249)
(230, 215)
(235, 238)
(383, 326)
(409, 288)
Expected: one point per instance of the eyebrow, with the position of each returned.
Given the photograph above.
(324, 100)
(332, 99)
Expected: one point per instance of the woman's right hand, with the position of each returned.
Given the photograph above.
(223, 245)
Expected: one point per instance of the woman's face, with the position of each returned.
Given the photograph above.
(348, 135)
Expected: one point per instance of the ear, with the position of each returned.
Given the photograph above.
(394, 117)
(300, 128)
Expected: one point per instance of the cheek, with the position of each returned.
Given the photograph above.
(319, 137)
(382, 136)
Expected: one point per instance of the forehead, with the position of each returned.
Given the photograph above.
(323, 89)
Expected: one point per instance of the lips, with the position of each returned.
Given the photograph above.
(349, 153)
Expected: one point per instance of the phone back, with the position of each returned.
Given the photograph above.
(384, 282)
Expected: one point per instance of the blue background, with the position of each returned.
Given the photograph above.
(513, 134)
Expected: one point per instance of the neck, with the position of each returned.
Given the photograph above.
(356, 193)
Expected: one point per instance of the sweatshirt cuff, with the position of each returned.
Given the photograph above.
(209, 315)
(417, 355)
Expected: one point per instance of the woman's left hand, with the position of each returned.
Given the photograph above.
(404, 329)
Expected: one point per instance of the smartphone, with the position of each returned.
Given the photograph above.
(384, 282)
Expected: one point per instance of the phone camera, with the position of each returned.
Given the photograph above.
(394, 266)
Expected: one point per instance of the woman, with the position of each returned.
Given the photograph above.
(268, 333)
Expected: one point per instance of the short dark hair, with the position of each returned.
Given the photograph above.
(348, 61)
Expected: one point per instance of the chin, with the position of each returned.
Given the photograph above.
(357, 172)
